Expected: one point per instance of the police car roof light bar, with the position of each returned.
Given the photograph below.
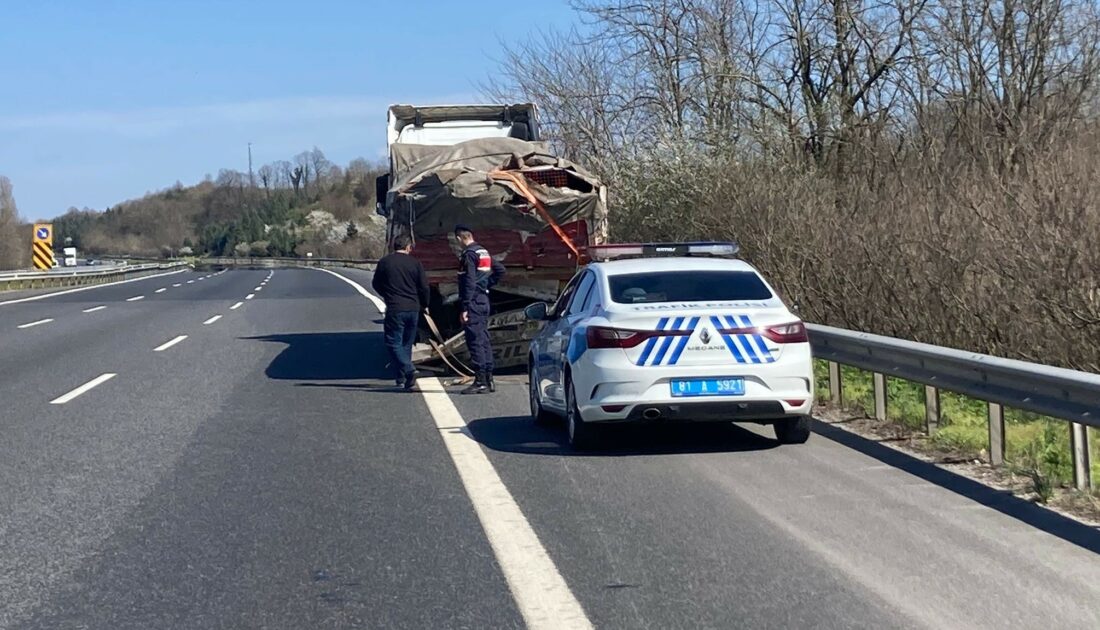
(717, 249)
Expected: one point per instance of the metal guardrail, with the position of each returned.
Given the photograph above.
(274, 261)
(59, 271)
(39, 280)
(1056, 392)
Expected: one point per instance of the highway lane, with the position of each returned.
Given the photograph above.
(261, 473)
(235, 481)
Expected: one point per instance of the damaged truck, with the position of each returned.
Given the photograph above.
(487, 167)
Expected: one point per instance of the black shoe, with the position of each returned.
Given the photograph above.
(479, 386)
(489, 382)
(410, 380)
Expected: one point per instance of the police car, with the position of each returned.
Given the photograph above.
(665, 333)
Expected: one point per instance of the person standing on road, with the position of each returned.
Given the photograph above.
(401, 281)
(477, 273)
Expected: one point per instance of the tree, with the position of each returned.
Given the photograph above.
(13, 253)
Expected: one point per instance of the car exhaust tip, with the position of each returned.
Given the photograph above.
(651, 413)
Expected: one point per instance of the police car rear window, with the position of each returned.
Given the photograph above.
(687, 286)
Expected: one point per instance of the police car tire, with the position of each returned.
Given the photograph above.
(582, 435)
(793, 430)
(538, 414)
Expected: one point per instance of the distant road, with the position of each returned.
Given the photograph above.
(226, 450)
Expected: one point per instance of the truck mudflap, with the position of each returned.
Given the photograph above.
(510, 334)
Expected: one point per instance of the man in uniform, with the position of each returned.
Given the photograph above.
(477, 273)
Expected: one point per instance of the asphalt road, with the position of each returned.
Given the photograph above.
(196, 459)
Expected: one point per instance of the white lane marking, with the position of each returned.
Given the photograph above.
(541, 594)
(161, 290)
(250, 296)
(212, 320)
(92, 384)
(93, 309)
(33, 324)
(377, 301)
(79, 289)
(190, 282)
(236, 306)
(257, 289)
(136, 298)
(168, 344)
(176, 285)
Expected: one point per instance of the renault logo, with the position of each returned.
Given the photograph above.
(704, 336)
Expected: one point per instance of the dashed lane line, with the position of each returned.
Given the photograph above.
(83, 389)
(33, 324)
(136, 298)
(236, 306)
(176, 285)
(168, 344)
(250, 296)
(93, 309)
(161, 290)
(212, 320)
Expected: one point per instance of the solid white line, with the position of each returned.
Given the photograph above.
(33, 324)
(541, 594)
(236, 306)
(96, 382)
(168, 344)
(212, 320)
(250, 296)
(79, 289)
(377, 301)
(136, 298)
(161, 290)
(93, 309)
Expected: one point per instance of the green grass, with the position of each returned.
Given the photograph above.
(1035, 446)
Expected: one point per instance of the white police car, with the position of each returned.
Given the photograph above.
(661, 333)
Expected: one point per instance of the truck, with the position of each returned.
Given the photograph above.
(70, 256)
(486, 166)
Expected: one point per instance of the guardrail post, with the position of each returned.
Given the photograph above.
(996, 434)
(836, 388)
(1079, 448)
(880, 396)
(931, 409)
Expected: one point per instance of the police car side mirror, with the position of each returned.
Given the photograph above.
(536, 312)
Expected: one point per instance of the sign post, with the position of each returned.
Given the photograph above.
(42, 246)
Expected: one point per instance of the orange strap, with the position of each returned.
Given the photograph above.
(521, 184)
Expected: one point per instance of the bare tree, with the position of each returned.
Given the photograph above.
(13, 253)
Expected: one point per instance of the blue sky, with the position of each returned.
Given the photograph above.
(105, 100)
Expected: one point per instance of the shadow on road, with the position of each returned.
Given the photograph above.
(342, 356)
(1004, 502)
(518, 434)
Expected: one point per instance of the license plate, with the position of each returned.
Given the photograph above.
(708, 387)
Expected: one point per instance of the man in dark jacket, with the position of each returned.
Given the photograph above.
(477, 273)
(401, 281)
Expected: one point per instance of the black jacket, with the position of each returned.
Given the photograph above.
(401, 281)
(477, 273)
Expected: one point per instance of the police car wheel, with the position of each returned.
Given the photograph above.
(582, 435)
(793, 430)
(538, 414)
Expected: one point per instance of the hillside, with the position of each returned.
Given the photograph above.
(288, 208)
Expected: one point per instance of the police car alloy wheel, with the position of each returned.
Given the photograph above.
(538, 414)
(581, 434)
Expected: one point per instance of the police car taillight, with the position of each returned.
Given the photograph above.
(653, 250)
(603, 337)
(787, 333)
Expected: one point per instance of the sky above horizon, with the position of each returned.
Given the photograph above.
(106, 100)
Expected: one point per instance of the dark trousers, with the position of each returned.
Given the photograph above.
(477, 334)
(399, 330)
